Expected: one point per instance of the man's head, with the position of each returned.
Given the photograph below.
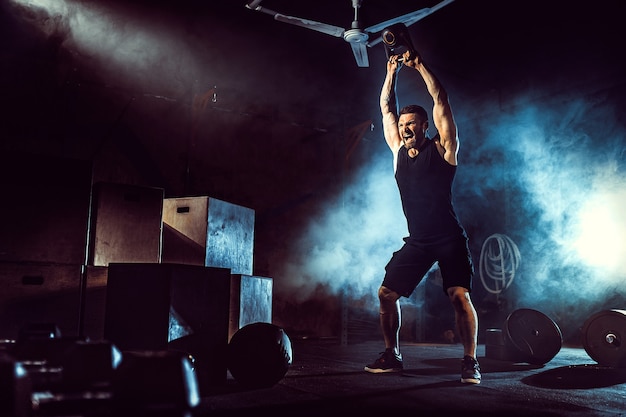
(412, 125)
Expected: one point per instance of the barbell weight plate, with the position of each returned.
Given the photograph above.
(532, 336)
(604, 337)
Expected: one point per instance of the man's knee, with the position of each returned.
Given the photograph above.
(387, 296)
(388, 300)
(459, 296)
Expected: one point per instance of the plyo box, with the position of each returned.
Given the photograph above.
(250, 301)
(209, 232)
(38, 292)
(171, 307)
(127, 224)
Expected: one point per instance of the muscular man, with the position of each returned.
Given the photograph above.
(424, 169)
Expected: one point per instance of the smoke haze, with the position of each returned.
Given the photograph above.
(556, 169)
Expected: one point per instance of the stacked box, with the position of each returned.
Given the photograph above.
(171, 307)
(210, 232)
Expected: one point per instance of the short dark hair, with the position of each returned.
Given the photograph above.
(414, 108)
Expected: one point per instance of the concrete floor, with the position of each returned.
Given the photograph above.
(326, 377)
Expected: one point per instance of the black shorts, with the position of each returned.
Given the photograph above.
(409, 265)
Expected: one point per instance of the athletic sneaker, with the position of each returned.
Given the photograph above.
(387, 362)
(470, 370)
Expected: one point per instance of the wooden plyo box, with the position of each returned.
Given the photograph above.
(35, 293)
(38, 293)
(209, 232)
(171, 307)
(127, 224)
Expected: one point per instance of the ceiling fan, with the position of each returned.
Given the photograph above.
(357, 37)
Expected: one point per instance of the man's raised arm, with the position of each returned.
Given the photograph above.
(442, 112)
(389, 106)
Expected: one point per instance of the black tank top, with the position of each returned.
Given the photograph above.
(425, 184)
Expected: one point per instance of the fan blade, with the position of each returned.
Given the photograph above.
(409, 18)
(360, 54)
(309, 24)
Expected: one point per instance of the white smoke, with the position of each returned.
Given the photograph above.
(569, 173)
(347, 246)
(563, 166)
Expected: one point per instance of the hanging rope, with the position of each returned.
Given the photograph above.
(499, 260)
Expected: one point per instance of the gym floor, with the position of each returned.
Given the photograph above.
(327, 377)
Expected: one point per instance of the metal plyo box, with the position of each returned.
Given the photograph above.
(250, 301)
(210, 232)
